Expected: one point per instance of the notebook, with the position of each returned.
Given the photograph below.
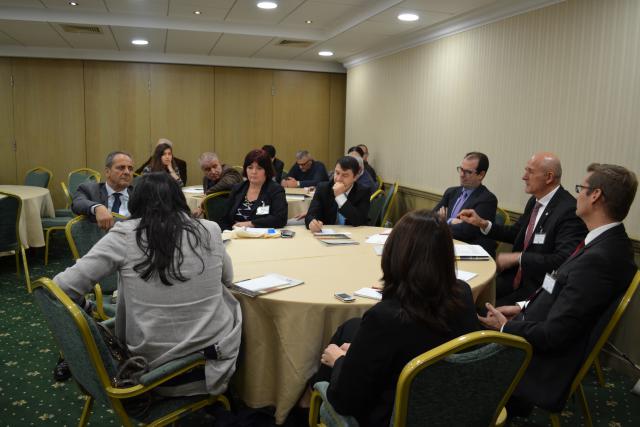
(268, 283)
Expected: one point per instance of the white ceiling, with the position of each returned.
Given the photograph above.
(236, 32)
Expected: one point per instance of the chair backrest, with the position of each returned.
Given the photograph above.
(78, 338)
(38, 177)
(380, 182)
(79, 176)
(603, 329)
(446, 386)
(68, 197)
(82, 235)
(238, 168)
(10, 208)
(502, 217)
(215, 205)
(375, 208)
(389, 199)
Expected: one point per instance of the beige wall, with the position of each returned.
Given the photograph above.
(67, 114)
(564, 78)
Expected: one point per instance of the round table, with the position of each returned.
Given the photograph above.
(195, 195)
(285, 331)
(36, 203)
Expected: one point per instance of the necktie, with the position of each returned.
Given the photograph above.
(457, 207)
(580, 246)
(527, 239)
(116, 203)
(340, 219)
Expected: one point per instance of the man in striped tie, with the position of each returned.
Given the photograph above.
(560, 317)
(542, 238)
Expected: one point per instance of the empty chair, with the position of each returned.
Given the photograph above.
(38, 177)
(10, 209)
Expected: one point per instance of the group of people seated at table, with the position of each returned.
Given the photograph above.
(571, 259)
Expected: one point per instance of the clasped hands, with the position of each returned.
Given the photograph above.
(332, 353)
(496, 318)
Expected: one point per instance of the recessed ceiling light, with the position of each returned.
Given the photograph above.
(267, 4)
(308, 21)
(325, 53)
(196, 12)
(408, 17)
(73, 3)
(140, 42)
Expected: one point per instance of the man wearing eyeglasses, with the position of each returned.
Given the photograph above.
(306, 172)
(572, 305)
(542, 238)
(470, 194)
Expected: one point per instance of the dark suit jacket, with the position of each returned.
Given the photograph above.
(278, 167)
(484, 203)
(317, 173)
(89, 194)
(563, 231)
(271, 194)
(363, 383)
(324, 207)
(558, 325)
(180, 164)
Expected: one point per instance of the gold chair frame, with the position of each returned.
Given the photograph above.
(41, 168)
(387, 211)
(116, 395)
(20, 252)
(212, 196)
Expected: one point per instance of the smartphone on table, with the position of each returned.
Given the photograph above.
(344, 297)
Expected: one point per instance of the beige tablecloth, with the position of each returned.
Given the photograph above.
(194, 199)
(284, 332)
(36, 203)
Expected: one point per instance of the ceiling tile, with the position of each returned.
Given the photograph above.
(323, 14)
(21, 3)
(5, 40)
(83, 5)
(124, 35)
(239, 45)
(246, 11)
(272, 50)
(103, 40)
(211, 11)
(445, 6)
(190, 42)
(395, 26)
(139, 7)
(33, 33)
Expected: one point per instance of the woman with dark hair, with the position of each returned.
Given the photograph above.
(339, 201)
(258, 201)
(172, 271)
(423, 306)
(162, 161)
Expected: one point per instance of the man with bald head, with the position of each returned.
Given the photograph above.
(543, 237)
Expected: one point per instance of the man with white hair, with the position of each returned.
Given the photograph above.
(179, 163)
(217, 176)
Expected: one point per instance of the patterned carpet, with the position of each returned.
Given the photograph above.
(29, 395)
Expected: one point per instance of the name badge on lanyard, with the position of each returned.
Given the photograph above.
(538, 239)
(262, 210)
(549, 283)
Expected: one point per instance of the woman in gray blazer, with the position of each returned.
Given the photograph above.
(172, 271)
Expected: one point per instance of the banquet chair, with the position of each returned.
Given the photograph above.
(74, 180)
(82, 234)
(502, 218)
(49, 225)
(603, 329)
(380, 182)
(448, 385)
(92, 366)
(38, 177)
(375, 208)
(10, 209)
(389, 200)
(215, 205)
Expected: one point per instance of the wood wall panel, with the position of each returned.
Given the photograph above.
(243, 112)
(182, 111)
(301, 114)
(49, 118)
(337, 117)
(7, 152)
(117, 110)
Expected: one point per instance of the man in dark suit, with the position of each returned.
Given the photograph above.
(544, 236)
(278, 165)
(306, 172)
(179, 163)
(470, 194)
(341, 201)
(98, 200)
(559, 319)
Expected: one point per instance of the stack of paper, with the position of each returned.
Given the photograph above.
(465, 275)
(255, 233)
(335, 238)
(265, 284)
(369, 293)
(193, 190)
(377, 239)
(471, 253)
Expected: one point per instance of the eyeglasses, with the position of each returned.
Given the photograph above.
(580, 187)
(304, 164)
(466, 172)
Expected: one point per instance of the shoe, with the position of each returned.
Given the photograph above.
(61, 372)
